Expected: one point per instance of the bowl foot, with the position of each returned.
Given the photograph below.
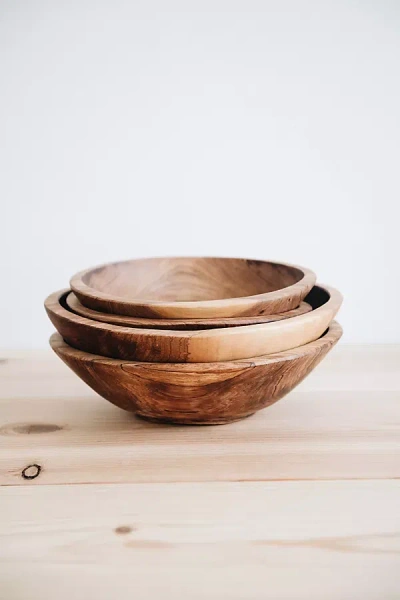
(188, 421)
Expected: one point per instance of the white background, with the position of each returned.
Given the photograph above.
(262, 129)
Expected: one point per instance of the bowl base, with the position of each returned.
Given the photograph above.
(188, 421)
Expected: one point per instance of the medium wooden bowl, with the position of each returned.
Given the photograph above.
(209, 345)
(203, 393)
(189, 324)
(194, 288)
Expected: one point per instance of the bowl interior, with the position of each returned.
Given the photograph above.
(190, 279)
(317, 296)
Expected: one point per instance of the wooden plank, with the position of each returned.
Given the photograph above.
(335, 540)
(314, 435)
(330, 428)
(216, 538)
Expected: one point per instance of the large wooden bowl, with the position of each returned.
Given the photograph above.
(189, 324)
(156, 345)
(206, 393)
(182, 288)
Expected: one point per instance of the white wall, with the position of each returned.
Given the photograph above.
(264, 129)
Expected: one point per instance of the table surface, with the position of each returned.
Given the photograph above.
(300, 501)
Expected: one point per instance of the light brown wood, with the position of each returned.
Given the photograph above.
(202, 393)
(341, 422)
(153, 345)
(177, 324)
(314, 435)
(302, 540)
(202, 287)
(357, 368)
(322, 522)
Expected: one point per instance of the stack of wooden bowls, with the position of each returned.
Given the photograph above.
(194, 340)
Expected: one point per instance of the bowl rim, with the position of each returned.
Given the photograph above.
(331, 336)
(74, 304)
(54, 303)
(78, 286)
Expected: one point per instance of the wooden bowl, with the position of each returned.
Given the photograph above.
(189, 324)
(203, 393)
(209, 345)
(182, 288)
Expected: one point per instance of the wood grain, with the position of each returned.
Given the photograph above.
(177, 324)
(300, 540)
(203, 393)
(321, 522)
(349, 368)
(154, 345)
(79, 439)
(332, 426)
(202, 287)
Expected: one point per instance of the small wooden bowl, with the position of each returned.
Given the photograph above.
(209, 345)
(193, 288)
(206, 393)
(177, 324)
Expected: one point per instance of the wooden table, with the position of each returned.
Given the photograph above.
(301, 501)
